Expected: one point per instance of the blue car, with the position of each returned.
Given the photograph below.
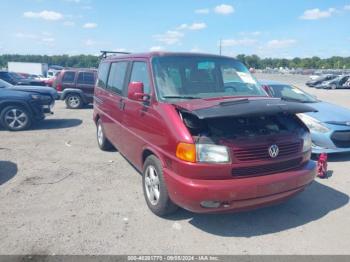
(330, 126)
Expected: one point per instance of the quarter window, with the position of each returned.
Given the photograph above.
(86, 78)
(117, 76)
(103, 74)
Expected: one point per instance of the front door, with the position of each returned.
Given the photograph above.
(137, 115)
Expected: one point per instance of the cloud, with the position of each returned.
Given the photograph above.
(170, 37)
(156, 48)
(195, 50)
(48, 39)
(255, 33)
(90, 25)
(316, 13)
(224, 9)
(68, 23)
(202, 11)
(347, 7)
(194, 26)
(238, 42)
(46, 15)
(90, 42)
(26, 35)
(43, 37)
(277, 44)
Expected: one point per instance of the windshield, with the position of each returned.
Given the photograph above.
(292, 93)
(4, 84)
(190, 77)
(16, 76)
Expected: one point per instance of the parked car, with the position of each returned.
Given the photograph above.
(17, 79)
(337, 83)
(329, 126)
(21, 106)
(76, 86)
(320, 79)
(201, 130)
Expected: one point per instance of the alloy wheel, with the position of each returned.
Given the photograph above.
(152, 185)
(74, 101)
(16, 118)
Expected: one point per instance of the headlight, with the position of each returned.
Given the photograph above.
(313, 124)
(307, 143)
(212, 153)
(35, 97)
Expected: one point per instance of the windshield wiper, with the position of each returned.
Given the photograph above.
(292, 99)
(182, 97)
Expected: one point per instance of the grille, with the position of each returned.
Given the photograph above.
(341, 139)
(262, 152)
(266, 169)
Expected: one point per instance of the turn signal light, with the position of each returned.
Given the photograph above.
(186, 152)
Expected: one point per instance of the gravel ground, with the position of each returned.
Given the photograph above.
(59, 194)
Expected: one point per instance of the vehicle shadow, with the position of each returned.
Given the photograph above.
(7, 171)
(56, 124)
(313, 204)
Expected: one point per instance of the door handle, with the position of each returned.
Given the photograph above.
(121, 104)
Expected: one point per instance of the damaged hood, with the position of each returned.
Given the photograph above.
(241, 107)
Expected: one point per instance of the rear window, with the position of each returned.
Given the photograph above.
(103, 74)
(68, 77)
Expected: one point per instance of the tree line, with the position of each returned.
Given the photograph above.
(254, 61)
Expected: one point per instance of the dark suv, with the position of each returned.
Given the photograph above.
(202, 131)
(76, 86)
(21, 106)
(17, 79)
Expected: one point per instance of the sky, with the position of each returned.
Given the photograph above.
(268, 28)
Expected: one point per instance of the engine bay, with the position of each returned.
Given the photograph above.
(240, 127)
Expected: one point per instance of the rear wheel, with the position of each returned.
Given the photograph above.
(154, 188)
(15, 118)
(102, 141)
(74, 101)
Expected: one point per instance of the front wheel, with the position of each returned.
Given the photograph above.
(154, 188)
(74, 101)
(15, 118)
(333, 87)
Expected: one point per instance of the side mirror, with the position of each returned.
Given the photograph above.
(135, 92)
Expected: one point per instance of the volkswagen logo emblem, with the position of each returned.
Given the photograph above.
(274, 151)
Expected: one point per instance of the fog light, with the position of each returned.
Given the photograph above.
(210, 204)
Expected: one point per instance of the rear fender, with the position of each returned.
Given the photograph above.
(68, 91)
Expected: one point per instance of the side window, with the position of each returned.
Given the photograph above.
(68, 77)
(80, 78)
(89, 78)
(117, 76)
(140, 74)
(102, 75)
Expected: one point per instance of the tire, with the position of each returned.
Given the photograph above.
(154, 188)
(333, 87)
(15, 118)
(102, 141)
(74, 101)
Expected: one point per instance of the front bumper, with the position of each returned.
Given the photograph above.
(238, 194)
(323, 143)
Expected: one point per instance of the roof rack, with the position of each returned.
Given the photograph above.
(105, 53)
